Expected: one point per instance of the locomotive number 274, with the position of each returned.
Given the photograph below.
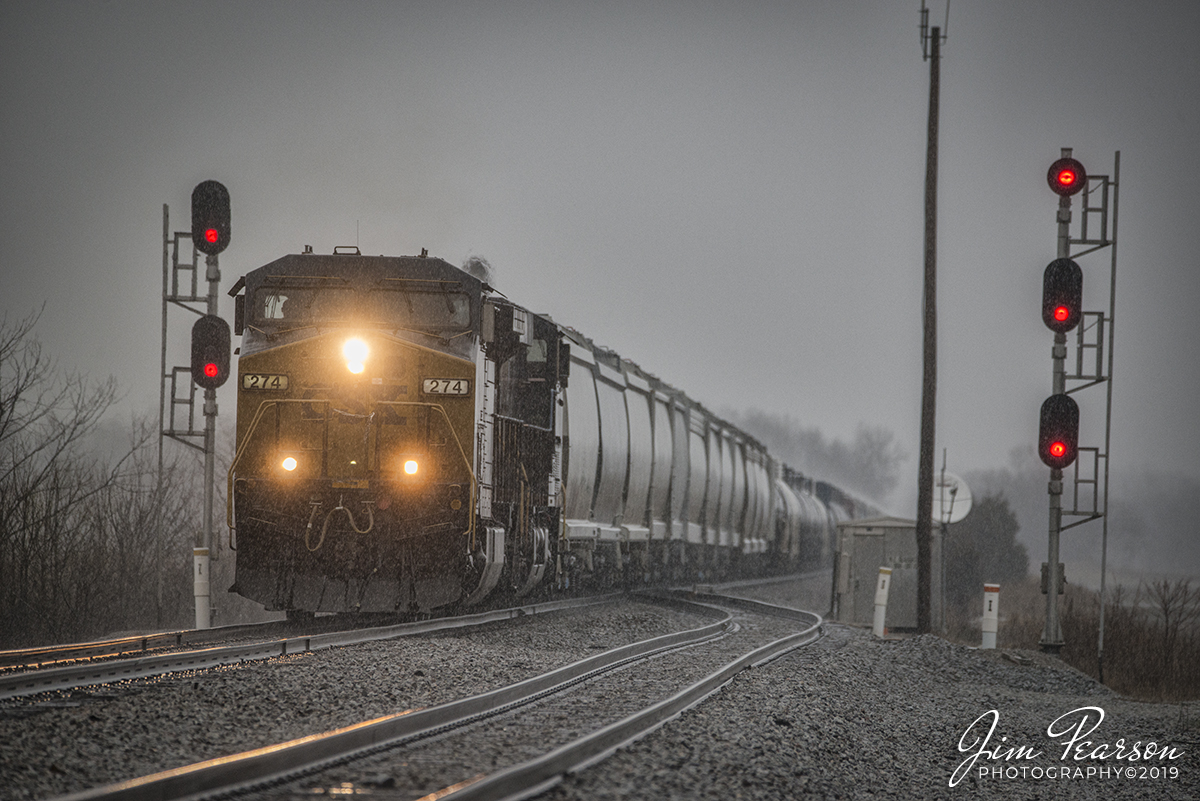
(446, 386)
(263, 381)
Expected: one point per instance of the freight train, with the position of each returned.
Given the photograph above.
(408, 439)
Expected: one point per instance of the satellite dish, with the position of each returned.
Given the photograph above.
(951, 498)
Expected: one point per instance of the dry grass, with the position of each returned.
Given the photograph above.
(1151, 635)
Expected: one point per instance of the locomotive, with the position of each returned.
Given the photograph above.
(408, 439)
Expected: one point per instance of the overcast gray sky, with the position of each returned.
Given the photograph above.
(729, 193)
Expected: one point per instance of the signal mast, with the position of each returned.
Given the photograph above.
(210, 359)
(1058, 431)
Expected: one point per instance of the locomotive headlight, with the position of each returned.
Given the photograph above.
(355, 351)
(411, 467)
(289, 464)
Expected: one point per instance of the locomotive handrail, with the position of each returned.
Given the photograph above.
(264, 405)
(466, 462)
(237, 457)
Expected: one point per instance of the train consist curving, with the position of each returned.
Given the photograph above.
(409, 439)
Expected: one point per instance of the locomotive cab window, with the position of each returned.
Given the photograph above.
(397, 307)
(297, 305)
(272, 306)
(421, 309)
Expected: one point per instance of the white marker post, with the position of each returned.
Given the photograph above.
(201, 587)
(991, 614)
(881, 594)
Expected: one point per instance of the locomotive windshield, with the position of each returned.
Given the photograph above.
(388, 307)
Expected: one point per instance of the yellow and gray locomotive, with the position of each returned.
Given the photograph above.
(408, 439)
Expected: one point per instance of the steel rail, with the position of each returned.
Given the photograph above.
(723, 586)
(43, 656)
(16, 684)
(758, 607)
(120, 646)
(276, 763)
(117, 646)
(541, 773)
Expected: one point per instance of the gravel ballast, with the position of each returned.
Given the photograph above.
(65, 742)
(852, 716)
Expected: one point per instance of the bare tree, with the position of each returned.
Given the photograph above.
(1179, 607)
(43, 478)
(77, 529)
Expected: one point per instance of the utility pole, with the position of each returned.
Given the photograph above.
(931, 41)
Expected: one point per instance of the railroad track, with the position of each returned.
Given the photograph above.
(79, 665)
(29, 671)
(135, 644)
(144, 644)
(520, 738)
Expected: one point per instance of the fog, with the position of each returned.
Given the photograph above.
(1151, 528)
(728, 193)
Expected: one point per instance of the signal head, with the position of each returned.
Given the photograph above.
(210, 351)
(1066, 177)
(210, 217)
(1058, 433)
(1062, 295)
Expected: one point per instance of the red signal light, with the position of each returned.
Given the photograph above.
(210, 352)
(1066, 176)
(1062, 295)
(1058, 432)
(210, 217)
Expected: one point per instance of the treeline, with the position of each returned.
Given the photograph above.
(1151, 634)
(870, 464)
(1152, 526)
(983, 548)
(1151, 638)
(88, 543)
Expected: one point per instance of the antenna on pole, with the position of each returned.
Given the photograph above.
(925, 32)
